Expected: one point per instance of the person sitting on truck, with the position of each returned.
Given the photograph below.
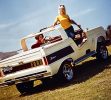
(64, 20)
(40, 40)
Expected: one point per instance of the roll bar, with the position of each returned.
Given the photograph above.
(23, 40)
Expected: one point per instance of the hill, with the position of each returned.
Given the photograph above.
(4, 55)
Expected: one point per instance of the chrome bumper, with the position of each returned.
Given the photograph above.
(26, 78)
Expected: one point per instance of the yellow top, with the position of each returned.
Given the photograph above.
(64, 21)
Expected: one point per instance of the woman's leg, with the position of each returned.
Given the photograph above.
(70, 32)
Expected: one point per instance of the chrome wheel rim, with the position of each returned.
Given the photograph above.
(104, 53)
(68, 72)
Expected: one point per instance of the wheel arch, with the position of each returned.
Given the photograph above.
(69, 60)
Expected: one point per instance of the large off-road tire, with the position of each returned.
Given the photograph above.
(46, 81)
(25, 87)
(66, 72)
(102, 52)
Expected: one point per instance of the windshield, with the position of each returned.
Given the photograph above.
(43, 39)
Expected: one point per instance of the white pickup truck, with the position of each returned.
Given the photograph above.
(55, 57)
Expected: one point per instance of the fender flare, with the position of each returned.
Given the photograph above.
(69, 60)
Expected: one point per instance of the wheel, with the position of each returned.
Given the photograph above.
(66, 72)
(102, 52)
(25, 87)
(46, 81)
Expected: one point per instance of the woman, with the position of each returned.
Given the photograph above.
(65, 22)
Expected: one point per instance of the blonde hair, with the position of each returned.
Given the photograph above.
(61, 7)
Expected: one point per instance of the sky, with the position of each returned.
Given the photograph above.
(19, 18)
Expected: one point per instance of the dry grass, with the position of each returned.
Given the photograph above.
(92, 81)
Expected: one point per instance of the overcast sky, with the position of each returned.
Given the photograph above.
(22, 17)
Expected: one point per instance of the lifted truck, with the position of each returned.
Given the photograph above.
(56, 57)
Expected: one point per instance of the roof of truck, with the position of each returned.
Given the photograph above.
(42, 32)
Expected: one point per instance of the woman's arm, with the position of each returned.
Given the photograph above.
(56, 22)
(73, 22)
